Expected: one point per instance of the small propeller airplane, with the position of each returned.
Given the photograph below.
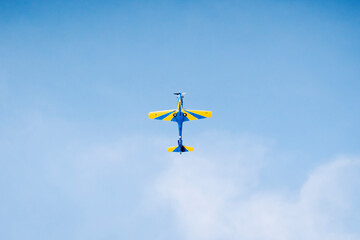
(180, 115)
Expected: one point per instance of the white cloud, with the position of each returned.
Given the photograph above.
(98, 187)
(215, 197)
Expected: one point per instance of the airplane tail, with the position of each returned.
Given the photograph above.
(180, 149)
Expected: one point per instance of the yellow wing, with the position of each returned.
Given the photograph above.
(166, 115)
(196, 114)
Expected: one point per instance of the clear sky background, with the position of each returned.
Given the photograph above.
(81, 160)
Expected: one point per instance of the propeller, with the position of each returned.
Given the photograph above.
(178, 93)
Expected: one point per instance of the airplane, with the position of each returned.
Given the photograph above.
(180, 115)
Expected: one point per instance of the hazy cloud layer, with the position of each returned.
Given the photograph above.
(212, 201)
(78, 187)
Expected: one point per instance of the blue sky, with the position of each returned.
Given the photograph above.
(81, 160)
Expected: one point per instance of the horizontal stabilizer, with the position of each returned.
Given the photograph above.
(180, 149)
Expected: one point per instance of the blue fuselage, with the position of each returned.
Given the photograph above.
(179, 118)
